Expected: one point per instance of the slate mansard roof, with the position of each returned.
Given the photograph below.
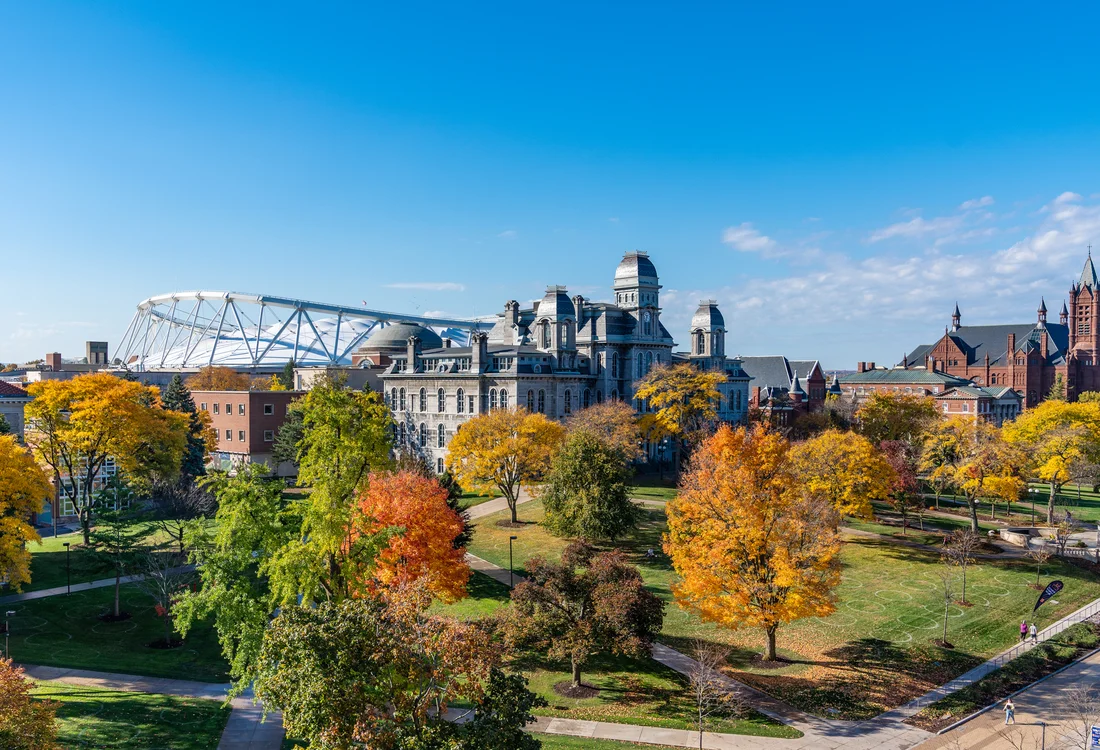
(977, 341)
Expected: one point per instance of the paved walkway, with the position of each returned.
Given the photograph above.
(78, 587)
(245, 729)
(1053, 701)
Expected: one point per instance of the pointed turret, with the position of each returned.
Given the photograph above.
(797, 394)
(1042, 311)
(1063, 317)
(956, 318)
(1088, 274)
(834, 387)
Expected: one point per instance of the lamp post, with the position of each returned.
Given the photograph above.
(68, 578)
(1032, 492)
(511, 581)
(661, 448)
(7, 632)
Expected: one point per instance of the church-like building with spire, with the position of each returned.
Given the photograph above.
(1027, 358)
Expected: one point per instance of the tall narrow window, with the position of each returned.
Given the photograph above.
(599, 396)
(614, 364)
(544, 335)
(530, 400)
(641, 365)
(569, 402)
(614, 394)
(401, 434)
(441, 436)
(423, 435)
(460, 402)
(503, 398)
(441, 401)
(471, 404)
(699, 342)
(423, 400)
(542, 401)
(648, 361)
(401, 399)
(586, 399)
(492, 398)
(393, 399)
(439, 466)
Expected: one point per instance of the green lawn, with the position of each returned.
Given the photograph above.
(653, 487)
(549, 742)
(470, 499)
(48, 563)
(485, 595)
(93, 718)
(875, 651)
(65, 631)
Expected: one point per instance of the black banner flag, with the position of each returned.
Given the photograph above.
(1053, 588)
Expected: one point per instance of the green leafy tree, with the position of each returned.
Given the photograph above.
(895, 416)
(585, 494)
(286, 377)
(177, 397)
(1089, 397)
(288, 437)
(1057, 390)
(118, 537)
(5, 428)
(586, 604)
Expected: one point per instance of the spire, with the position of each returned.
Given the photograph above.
(1063, 317)
(1042, 311)
(834, 387)
(1088, 274)
(956, 318)
(796, 387)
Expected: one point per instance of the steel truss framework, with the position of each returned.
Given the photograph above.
(197, 329)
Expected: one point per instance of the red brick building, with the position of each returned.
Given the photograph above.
(1026, 357)
(246, 423)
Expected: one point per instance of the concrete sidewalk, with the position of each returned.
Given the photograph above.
(245, 730)
(78, 587)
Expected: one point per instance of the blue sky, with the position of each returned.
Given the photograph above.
(836, 176)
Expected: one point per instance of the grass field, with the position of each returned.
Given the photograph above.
(92, 718)
(652, 487)
(65, 631)
(875, 651)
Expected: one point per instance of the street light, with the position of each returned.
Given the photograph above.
(7, 632)
(1032, 492)
(511, 582)
(68, 578)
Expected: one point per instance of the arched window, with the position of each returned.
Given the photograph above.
(401, 437)
(739, 401)
(401, 399)
(503, 398)
(530, 400)
(441, 436)
(460, 402)
(544, 335)
(492, 398)
(569, 402)
(615, 364)
(614, 394)
(542, 401)
(648, 361)
(393, 399)
(423, 400)
(423, 435)
(439, 466)
(599, 397)
(441, 401)
(586, 399)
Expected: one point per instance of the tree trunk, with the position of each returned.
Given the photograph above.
(770, 654)
(86, 526)
(946, 612)
(576, 673)
(937, 499)
(964, 584)
(1050, 503)
(167, 629)
(118, 587)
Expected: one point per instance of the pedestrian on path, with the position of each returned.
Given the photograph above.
(1034, 633)
(1023, 630)
(1010, 712)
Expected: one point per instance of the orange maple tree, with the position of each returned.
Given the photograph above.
(423, 548)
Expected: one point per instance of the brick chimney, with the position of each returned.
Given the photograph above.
(861, 367)
(53, 361)
(870, 365)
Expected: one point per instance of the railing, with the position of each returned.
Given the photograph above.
(1086, 612)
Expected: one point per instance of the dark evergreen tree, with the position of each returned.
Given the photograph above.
(286, 377)
(178, 398)
(5, 428)
(288, 438)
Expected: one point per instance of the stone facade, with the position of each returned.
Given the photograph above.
(558, 356)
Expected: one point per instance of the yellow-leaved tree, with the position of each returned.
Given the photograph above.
(1055, 435)
(74, 426)
(24, 489)
(503, 450)
(985, 465)
(751, 547)
(843, 469)
(216, 378)
(939, 457)
(681, 402)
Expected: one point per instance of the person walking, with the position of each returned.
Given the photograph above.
(1010, 712)
(1034, 633)
(1023, 630)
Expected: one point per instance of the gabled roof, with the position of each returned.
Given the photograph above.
(804, 368)
(7, 390)
(977, 341)
(767, 372)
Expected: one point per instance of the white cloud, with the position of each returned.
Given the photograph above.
(748, 239)
(985, 200)
(428, 286)
(916, 227)
(508, 234)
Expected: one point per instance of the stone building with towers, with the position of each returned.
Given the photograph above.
(561, 354)
(1027, 358)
